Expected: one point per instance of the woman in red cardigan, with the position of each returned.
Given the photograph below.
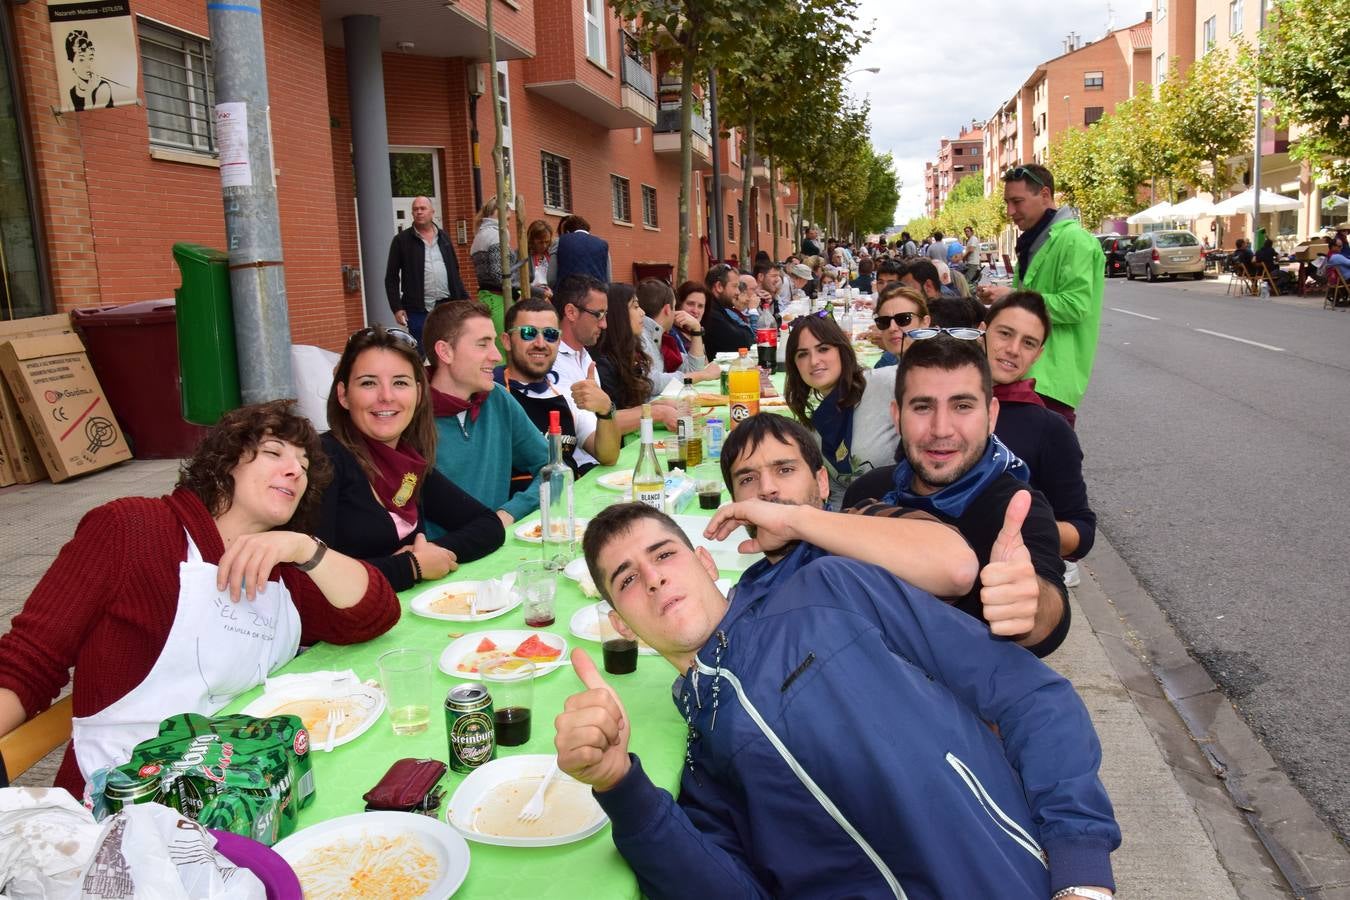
(182, 603)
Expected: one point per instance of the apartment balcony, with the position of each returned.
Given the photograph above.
(666, 136)
(637, 93)
(610, 85)
(759, 169)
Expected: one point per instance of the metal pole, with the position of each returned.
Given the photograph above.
(715, 232)
(248, 186)
(498, 157)
(475, 158)
(1256, 143)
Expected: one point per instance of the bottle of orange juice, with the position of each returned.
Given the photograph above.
(742, 389)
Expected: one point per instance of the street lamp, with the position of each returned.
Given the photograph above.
(873, 69)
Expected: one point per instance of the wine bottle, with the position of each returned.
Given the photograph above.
(649, 484)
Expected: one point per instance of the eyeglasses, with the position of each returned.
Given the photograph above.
(398, 334)
(1020, 173)
(598, 313)
(961, 334)
(901, 319)
(530, 332)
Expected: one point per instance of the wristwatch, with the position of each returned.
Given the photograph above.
(694, 333)
(1085, 893)
(309, 564)
(609, 415)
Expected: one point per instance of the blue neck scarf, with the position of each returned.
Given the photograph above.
(835, 427)
(953, 499)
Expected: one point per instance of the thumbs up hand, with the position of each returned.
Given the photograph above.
(592, 730)
(1010, 590)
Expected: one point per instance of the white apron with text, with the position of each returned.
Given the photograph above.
(216, 650)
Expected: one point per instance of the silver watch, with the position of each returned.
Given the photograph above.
(1085, 893)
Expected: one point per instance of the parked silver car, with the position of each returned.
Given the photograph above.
(1158, 253)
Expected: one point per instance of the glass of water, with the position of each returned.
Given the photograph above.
(405, 675)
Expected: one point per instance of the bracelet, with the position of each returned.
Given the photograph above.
(609, 415)
(694, 333)
(309, 564)
(1085, 893)
(417, 569)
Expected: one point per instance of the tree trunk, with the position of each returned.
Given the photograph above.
(504, 235)
(773, 204)
(749, 215)
(829, 218)
(686, 160)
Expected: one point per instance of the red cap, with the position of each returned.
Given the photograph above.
(554, 426)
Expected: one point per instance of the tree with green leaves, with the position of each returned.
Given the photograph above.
(1304, 66)
(1208, 116)
(965, 205)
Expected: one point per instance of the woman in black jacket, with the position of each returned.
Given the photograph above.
(385, 486)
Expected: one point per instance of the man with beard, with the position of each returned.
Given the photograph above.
(531, 341)
(957, 469)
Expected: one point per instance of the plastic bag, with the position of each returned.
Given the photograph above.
(48, 836)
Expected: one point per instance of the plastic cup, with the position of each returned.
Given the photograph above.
(510, 681)
(538, 589)
(405, 676)
(620, 652)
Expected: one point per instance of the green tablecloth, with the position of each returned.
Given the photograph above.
(591, 868)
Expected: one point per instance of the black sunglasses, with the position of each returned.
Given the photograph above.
(599, 314)
(901, 319)
(1022, 173)
(963, 334)
(530, 332)
(398, 334)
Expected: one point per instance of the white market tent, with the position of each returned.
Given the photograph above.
(1188, 210)
(1241, 204)
(1152, 216)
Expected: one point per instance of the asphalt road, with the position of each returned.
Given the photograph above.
(1218, 468)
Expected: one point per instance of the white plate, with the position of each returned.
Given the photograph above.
(507, 642)
(616, 481)
(370, 701)
(436, 838)
(575, 569)
(585, 624)
(523, 531)
(421, 604)
(462, 811)
(723, 552)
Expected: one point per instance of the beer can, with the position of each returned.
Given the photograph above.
(469, 727)
(713, 433)
(121, 791)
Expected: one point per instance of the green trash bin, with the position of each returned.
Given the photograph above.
(207, 355)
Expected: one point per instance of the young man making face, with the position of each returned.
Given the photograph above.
(837, 737)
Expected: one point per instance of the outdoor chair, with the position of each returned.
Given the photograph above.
(1247, 283)
(1266, 276)
(1338, 292)
(23, 747)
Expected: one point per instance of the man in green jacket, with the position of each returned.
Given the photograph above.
(1058, 259)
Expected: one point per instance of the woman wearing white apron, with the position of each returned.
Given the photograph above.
(181, 603)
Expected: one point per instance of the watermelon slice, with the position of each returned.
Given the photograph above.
(533, 648)
(486, 646)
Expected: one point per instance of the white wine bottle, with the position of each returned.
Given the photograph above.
(649, 484)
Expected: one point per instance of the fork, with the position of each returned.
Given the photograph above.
(336, 716)
(534, 810)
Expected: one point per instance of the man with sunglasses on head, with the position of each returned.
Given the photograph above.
(955, 468)
(1058, 259)
(531, 340)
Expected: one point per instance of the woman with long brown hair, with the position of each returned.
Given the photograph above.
(385, 486)
(847, 407)
(619, 361)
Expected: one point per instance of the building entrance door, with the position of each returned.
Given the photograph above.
(413, 173)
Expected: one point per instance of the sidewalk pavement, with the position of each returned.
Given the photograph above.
(1168, 851)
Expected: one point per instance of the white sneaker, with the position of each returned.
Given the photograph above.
(1071, 578)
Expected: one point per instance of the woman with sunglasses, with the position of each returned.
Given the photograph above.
(899, 309)
(174, 604)
(619, 361)
(382, 444)
(846, 406)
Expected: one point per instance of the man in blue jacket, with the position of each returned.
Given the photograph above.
(838, 738)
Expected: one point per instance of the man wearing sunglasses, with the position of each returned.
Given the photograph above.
(531, 339)
(1058, 259)
(955, 468)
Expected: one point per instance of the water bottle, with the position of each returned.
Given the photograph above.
(556, 509)
(1265, 289)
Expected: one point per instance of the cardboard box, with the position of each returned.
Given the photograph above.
(20, 460)
(63, 405)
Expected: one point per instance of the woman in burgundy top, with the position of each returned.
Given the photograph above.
(182, 603)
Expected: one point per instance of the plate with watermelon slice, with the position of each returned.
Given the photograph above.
(546, 650)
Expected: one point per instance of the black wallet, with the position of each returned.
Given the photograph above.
(408, 786)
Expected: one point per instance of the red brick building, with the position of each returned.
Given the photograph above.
(957, 158)
(91, 202)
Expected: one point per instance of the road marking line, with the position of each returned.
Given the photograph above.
(1239, 340)
(1130, 312)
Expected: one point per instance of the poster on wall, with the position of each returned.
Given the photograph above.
(96, 56)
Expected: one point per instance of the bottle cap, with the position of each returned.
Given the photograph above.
(554, 425)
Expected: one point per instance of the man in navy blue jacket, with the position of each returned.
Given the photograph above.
(838, 736)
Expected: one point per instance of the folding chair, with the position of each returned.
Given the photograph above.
(1247, 283)
(1269, 279)
(1007, 265)
(1338, 292)
(21, 749)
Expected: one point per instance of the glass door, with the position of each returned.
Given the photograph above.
(23, 288)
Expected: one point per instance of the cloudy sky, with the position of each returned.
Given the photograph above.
(942, 66)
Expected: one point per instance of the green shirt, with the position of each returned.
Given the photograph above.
(480, 455)
(1069, 271)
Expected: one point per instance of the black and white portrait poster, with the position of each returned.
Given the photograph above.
(95, 47)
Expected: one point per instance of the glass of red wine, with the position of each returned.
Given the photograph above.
(510, 682)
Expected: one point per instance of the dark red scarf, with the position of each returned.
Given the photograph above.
(443, 404)
(399, 470)
(1023, 391)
